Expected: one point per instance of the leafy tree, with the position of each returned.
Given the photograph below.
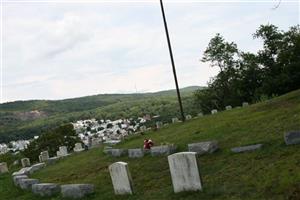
(51, 141)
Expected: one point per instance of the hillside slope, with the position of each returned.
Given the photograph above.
(24, 119)
(270, 173)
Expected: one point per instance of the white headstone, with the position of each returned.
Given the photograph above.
(228, 107)
(121, 178)
(174, 120)
(188, 117)
(3, 167)
(78, 147)
(245, 104)
(184, 172)
(44, 156)
(214, 111)
(159, 124)
(63, 151)
(25, 162)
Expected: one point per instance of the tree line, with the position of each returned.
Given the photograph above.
(251, 77)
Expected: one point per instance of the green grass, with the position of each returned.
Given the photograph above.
(270, 173)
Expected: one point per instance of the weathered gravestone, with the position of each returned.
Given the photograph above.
(135, 153)
(45, 189)
(214, 111)
(118, 152)
(76, 191)
(174, 120)
(3, 167)
(52, 160)
(245, 104)
(159, 124)
(246, 148)
(16, 179)
(143, 128)
(25, 162)
(44, 156)
(121, 178)
(292, 137)
(184, 172)
(228, 107)
(188, 117)
(78, 147)
(203, 147)
(200, 114)
(27, 183)
(163, 150)
(63, 151)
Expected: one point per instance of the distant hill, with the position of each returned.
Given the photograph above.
(24, 119)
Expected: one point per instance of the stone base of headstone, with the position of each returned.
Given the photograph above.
(53, 160)
(26, 184)
(246, 148)
(76, 191)
(135, 153)
(203, 147)
(215, 111)
(118, 152)
(163, 150)
(228, 107)
(45, 189)
(16, 179)
(292, 137)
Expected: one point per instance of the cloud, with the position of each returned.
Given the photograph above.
(55, 51)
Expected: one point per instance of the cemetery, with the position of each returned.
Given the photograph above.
(184, 161)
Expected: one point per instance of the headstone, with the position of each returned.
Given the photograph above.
(292, 137)
(228, 107)
(25, 162)
(96, 142)
(52, 160)
(246, 148)
(45, 189)
(184, 172)
(78, 147)
(63, 151)
(76, 191)
(16, 179)
(159, 124)
(245, 104)
(40, 158)
(27, 183)
(203, 147)
(143, 128)
(188, 117)
(121, 178)
(200, 115)
(118, 152)
(16, 162)
(214, 111)
(3, 168)
(44, 156)
(135, 153)
(163, 150)
(174, 120)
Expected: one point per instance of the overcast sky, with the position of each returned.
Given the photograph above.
(72, 49)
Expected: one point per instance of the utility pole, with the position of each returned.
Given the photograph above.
(172, 61)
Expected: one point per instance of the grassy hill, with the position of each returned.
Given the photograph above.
(270, 173)
(24, 119)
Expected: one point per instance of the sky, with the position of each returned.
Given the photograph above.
(64, 49)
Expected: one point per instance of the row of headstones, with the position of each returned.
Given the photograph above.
(22, 180)
(183, 166)
(214, 111)
(184, 173)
